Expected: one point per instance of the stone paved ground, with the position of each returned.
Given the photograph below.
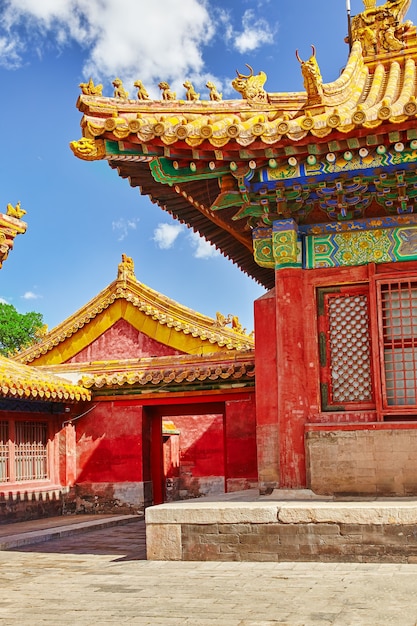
(101, 577)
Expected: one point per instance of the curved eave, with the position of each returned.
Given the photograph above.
(23, 382)
(182, 371)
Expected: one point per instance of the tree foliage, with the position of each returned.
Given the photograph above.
(18, 330)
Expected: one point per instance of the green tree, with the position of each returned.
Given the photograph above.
(18, 330)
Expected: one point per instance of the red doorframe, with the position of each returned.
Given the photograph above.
(157, 461)
(154, 416)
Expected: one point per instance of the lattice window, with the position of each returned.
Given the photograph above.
(4, 452)
(23, 451)
(31, 451)
(398, 319)
(345, 347)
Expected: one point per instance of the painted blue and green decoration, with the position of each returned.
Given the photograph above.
(356, 242)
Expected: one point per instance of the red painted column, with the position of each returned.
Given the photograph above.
(266, 386)
(157, 462)
(284, 332)
(294, 324)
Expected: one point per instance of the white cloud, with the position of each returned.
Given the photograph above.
(202, 248)
(255, 33)
(166, 234)
(148, 40)
(3, 301)
(123, 226)
(30, 295)
(9, 53)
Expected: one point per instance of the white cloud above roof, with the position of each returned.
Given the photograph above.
(165, 235)
(130, 39)
(162, 39)
(255, 33)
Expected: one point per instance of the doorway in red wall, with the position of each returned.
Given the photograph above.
(186, 450)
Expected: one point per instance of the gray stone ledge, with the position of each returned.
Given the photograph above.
(269, 511)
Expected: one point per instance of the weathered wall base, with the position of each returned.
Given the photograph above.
(380, 531)
(23, 506)
(118, 498)
(378, 459)
(195, 487)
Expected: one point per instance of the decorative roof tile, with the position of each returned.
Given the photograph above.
(28, 383)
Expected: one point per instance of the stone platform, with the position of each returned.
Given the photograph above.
(284, 526)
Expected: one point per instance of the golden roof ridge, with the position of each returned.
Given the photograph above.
(150, 302)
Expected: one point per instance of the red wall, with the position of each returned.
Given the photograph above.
(201, 444)
(240, 437)
(122, 341)
(109, 444)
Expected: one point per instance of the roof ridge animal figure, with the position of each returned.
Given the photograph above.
(142, 93)
(119, 90)
(191, 93)
(167, 94)
(251, 87)
(90, 89)
(215, 96)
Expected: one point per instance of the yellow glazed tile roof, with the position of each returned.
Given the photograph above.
(172, 322)
(160, 371)
(28, 383)
(374, 87)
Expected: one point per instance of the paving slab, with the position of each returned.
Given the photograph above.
(39, 531)
(97, 577)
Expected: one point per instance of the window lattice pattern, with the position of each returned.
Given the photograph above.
(350, 352)
(31, 451)
(4, 452)
(399, 324)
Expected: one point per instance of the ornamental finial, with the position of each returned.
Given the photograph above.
(15, 211)
(126, 269)
(369, 4)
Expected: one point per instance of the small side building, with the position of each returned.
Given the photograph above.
(172, 414)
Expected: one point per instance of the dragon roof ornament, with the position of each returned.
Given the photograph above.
(381, 28)
(11, 225)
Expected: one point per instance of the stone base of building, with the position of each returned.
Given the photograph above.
(285, 526)
(21, 506)
(358, 459)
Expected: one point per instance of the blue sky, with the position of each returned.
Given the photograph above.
(81, 216)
